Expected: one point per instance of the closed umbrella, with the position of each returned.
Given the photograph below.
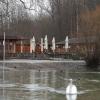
(53, 44)
(32, 45)
(46, 43)
(66, 44)
(41, 44)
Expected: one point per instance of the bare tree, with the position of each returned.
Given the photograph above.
(90, 23)
(13, 17)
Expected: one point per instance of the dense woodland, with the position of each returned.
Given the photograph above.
(91, 27)
(52, 17)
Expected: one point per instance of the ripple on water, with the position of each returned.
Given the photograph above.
(7, 85)
(37, 87)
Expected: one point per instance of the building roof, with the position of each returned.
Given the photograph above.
(79, 40)
(12, 37)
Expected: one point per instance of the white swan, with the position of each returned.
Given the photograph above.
(71, 88)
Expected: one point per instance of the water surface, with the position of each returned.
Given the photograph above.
(48, 84)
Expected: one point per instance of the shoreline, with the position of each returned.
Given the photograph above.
(41, 61)
(43, 64)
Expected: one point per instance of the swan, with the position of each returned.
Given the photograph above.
(71, 88)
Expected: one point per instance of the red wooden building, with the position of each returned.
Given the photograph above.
(18, 44)
(15, 44)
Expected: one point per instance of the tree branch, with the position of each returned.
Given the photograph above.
(3, 1)
(30, 8)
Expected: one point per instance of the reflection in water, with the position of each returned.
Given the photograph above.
(5, 98)
(71, 97)
(7, 85)
(47, 85)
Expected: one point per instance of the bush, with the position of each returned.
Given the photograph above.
(92, 61)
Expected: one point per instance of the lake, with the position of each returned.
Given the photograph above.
(48, 84)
